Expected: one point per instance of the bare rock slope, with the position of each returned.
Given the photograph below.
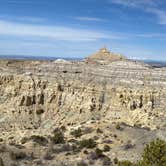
(39, 96)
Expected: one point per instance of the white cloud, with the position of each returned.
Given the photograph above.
(18, 2)
(30, 19)
(149, 6)
(89, 19)
(52, 32)
(135, 3)
(159, 13)
(47, 32)
(23, 18)
(152, 35)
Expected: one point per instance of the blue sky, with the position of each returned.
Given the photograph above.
(77, 28)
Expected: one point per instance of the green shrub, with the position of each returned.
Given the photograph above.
(118, 127)
(125, 163)
(155, 153)
(106, 148)
(77, 133)
(99, 153)
(58, 137)
(115, 161)
(87, 143)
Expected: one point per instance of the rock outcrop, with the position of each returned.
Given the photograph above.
(104, 56)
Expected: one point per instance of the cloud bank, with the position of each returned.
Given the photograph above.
(52, 32)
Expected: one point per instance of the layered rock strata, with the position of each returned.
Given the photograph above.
(41, 94)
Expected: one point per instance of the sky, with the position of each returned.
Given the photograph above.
(78, 28)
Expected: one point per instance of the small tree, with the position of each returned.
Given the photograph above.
(155, 153)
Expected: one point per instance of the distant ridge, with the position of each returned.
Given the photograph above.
(26, 57)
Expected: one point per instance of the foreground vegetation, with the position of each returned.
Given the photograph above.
(154, 154)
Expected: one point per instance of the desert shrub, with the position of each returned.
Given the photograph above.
(17, 155)
(67, 147)
(63, 128)
(85, 152)
(18, 146)
(106, 148)
(58, 137)
(137, 125)
(68, 154)
(39, 111)
(106, 161)
(91, 162)
(48, 155)
(125, 163)
(76, 149)
(63, 148)
(99, 130)
(115, 161)
(87, 130)
(96, 137)
(77, 133)
(107, 141)
(128, 145)
(3, 148)
(35, 138)
(92, 156)
(87, 143)
(72, 141)
(24, 140)
(99, 153)
(82, 163)
(155, 153)
(39, 139)
(118, 127)
(1, 162)
(60, 88)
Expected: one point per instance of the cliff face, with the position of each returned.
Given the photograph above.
(44, 94)
(114, 105)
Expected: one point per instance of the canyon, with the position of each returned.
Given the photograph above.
(36, 97)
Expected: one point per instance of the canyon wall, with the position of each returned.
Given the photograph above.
(37, 94)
